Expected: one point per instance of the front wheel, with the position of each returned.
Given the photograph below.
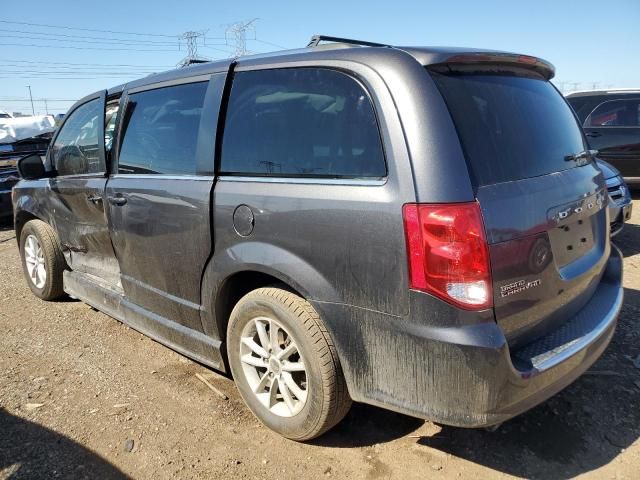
(42, 260)
(285, 365)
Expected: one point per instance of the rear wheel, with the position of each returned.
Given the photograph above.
(285, 365)
(42, 260)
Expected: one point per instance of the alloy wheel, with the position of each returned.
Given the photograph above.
(273, 366)
(34, 260)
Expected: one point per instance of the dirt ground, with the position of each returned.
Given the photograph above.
(83, 396)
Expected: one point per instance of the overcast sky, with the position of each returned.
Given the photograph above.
(591, 43)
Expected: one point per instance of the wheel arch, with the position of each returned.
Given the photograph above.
(21, 219)
(236, 286)
(244, 267)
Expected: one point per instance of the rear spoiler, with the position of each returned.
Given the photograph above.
(486, 59)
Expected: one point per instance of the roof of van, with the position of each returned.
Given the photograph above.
(338, 50)
(608, 91)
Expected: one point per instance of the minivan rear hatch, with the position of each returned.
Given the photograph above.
(543, 203)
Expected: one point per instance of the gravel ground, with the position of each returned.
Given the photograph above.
(83, 396)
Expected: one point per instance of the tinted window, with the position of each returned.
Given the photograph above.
(75, 150)
(301, 122)
(582, 105)
(615, 113)
(511, 127)
(161, 130)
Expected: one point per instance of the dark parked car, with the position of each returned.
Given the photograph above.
(10, 153)
(620, 202)
(611, 122)
(421, 229)
(8, 178)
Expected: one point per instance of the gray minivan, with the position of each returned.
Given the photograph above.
(421, 229)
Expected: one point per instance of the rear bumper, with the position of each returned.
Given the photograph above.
(466, 375)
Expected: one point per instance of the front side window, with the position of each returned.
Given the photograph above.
(615, 113)
(301, 122)
(75, 151)
(161, 130)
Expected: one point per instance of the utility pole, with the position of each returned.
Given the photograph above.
(33, 110)
(191, 38)
(238, 33)
(46, 107)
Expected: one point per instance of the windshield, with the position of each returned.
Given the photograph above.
(511, 127)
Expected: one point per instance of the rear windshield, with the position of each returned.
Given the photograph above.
(511, 127)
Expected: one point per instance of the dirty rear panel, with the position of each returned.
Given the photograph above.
(544, 268)
(544, 212)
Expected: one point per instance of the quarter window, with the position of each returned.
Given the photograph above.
(75, 151)
(615, 113)
(301, 122)
(161, 130)
(110, 117)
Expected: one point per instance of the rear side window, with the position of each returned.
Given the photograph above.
(511, 127)
(301, 122)
(615, 113)
(75, 151)
(161, 130)
(584, 105)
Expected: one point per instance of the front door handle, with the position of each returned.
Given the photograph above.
(593, 134)
(117, 200)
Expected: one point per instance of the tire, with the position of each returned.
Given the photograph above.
(318, 398)
(50, 257)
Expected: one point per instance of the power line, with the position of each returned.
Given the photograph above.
(79, 72)
(88, 29)
(73, 68)
(269, 43)
(84, 48)
(42, 62)
(99, 42)
(228, 52)
(36, 77)
(83, 37)
(35, 100)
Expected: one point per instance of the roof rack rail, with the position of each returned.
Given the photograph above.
(316, 39)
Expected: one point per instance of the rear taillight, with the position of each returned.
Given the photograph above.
(448, 253)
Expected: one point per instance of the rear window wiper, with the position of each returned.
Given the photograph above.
(581, 156)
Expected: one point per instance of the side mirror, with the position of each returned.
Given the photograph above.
(31, 167)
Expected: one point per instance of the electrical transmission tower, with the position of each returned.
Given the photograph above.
(237, 32)
(191, 39)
